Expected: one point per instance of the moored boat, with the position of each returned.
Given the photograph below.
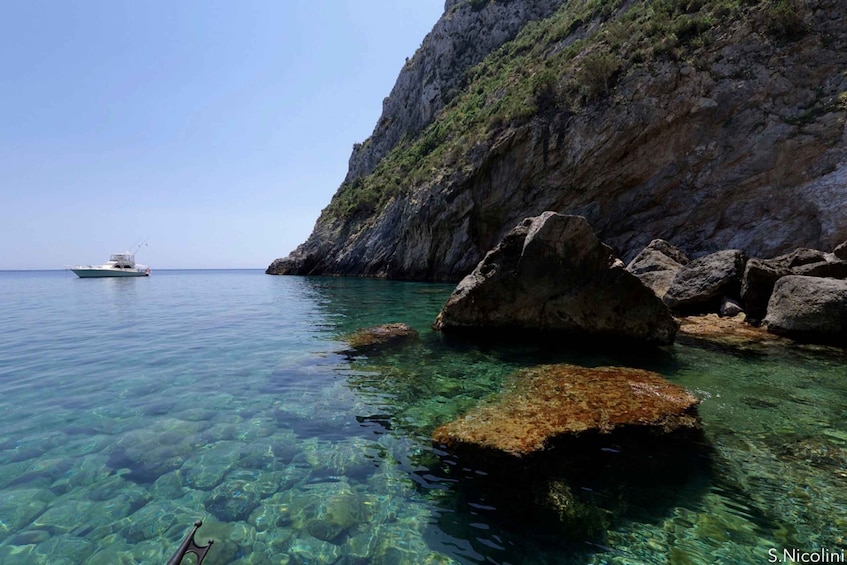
(118, 265)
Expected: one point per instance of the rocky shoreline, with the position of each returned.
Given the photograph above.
(801, 295)
(551, 276)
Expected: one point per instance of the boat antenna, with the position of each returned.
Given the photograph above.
(141, 243)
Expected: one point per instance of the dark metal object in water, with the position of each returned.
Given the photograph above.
(188, 545)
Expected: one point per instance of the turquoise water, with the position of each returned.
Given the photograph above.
(131, 408)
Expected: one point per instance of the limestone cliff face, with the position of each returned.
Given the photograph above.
(737, 141)
(464, 35)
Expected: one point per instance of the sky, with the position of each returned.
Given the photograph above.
(214, 130)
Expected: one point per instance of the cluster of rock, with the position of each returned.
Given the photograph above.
(551, 274)
(802, 294)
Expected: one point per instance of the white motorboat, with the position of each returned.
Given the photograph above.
(118, 265)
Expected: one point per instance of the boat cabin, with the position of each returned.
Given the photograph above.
(122, 260)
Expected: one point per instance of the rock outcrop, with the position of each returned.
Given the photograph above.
(465, 34)
(657, 265)
(701, 286)
(551, 273)
(729, 135)
(374, 338)
(809, 309)
(543, 404)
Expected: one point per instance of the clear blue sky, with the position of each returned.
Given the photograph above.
(216, 129)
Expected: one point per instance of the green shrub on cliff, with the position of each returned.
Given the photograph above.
(785, 19)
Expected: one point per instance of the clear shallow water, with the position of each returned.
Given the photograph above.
(131, 408)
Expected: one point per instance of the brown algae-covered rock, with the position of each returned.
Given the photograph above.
(547, 402)
(375, 337)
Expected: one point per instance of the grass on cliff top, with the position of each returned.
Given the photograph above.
(564, 63)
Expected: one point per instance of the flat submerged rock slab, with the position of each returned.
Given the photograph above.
(384, 335)
(727, 330)
(541, 403)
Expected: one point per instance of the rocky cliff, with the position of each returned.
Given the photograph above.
(709, 123)
(465, 34)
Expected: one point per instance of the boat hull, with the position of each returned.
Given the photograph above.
(104, 273)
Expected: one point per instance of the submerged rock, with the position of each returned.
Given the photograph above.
(549, 402)
(551, 273)
(701, 285)
(233, 500)
(329, 511)
(809, 309)
(732, 331)
(657, 265)
(377, 337)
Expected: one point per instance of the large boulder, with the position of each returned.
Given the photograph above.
(812, 263)
(760, 275)
(829, 268)
(541, 405)
(657, 265)
(551, 273)
(841, 251)
(809, 309)
(700, 286)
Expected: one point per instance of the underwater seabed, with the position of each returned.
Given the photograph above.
(305, 453)
(767, 472)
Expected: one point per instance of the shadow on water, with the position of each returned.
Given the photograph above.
(568, 498)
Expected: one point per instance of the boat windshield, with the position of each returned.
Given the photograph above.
(122, 258)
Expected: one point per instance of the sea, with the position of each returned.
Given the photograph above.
(132, 408)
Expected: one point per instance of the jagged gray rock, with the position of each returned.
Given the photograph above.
(657, 264)
(760, 275)
(701, 285)
(841, 251)
(551, 273)
(809, 309)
